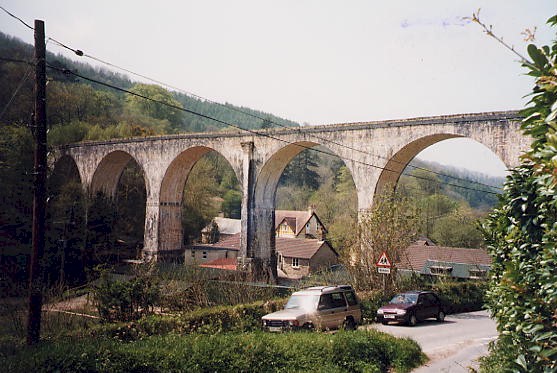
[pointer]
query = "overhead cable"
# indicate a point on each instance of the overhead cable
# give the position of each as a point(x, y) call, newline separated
point(253, 132)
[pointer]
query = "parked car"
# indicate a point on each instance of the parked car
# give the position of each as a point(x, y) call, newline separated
point(412, 307)
point(319, 307)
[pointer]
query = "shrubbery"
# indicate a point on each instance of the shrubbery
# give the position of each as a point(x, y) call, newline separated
point(358, 351)
point(124, 300)
point(522, 234)
point(214, 320)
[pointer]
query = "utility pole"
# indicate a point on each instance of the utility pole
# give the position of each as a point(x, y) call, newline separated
point(39, 193)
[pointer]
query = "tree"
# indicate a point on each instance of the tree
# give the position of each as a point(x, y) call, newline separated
point(167, 108)
point(390, 227)
point(522, 233)
point(301, 171)
point(232, 204)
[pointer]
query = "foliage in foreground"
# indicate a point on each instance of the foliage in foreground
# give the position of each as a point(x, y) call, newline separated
point(522, 235)
point(358, 351)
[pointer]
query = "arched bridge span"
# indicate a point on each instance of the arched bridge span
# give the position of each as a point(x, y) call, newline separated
point(375, 152)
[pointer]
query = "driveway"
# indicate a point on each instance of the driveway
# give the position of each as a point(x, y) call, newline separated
point(452, 346)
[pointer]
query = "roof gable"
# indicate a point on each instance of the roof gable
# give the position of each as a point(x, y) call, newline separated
point(297, 220)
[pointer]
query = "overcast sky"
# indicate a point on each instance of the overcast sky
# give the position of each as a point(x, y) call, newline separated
point(315, 62)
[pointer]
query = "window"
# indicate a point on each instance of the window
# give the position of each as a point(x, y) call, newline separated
point(440, 270)
point(295, 262)
point(333, 300)
point(351, 298)
point(205, 255)
point(478, 273)
point(308, 226)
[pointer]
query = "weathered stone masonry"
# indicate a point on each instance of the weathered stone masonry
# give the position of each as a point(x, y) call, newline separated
point(258, 162)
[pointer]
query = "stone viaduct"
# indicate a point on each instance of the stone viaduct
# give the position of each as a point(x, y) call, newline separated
point(375, 152)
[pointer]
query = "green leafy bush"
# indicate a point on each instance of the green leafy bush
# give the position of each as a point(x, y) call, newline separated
point(522, 235)
point(461, 296)
point(124, 300)
point(359, 351)
point(214, 320)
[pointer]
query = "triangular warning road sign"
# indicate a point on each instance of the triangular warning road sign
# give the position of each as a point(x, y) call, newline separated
point(383, 261)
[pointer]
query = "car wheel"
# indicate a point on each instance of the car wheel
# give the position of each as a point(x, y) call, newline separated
point(349, 324)
point(441, 316)
point(412, 321)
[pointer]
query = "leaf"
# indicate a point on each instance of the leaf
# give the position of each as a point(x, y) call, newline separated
point(537, 56)
point(521, 360)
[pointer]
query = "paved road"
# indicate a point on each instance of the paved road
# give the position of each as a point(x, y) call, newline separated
point(452, 346)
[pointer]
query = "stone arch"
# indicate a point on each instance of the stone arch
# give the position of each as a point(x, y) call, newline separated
point(108, 172)
point(396, 164)
point(171, 196)
point(263, 245)
point(268, 178)
point(66, 164)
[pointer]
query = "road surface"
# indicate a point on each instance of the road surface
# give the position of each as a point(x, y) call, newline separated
point(452, 346)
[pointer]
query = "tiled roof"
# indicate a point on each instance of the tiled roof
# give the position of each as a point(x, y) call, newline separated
point(416, 256)
point(288, 247)
point(299, 248)
point(229, 243)
point(221, 263)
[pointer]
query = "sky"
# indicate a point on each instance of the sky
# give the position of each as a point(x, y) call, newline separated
point(314, 62)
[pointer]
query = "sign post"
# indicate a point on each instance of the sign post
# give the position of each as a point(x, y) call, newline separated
point(384, 266)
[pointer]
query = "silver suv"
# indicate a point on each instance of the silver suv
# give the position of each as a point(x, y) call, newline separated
point(318, 307)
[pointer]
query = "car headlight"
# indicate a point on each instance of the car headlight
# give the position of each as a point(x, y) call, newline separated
point(380, 312)
point(401, 312)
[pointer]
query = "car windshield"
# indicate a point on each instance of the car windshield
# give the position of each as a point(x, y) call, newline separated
point(404, 299)
point(306, 302)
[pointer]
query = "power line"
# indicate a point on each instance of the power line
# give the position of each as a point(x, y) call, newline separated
point(81, 53)
point(25, 77)
point(14, 60)
point(256, 133)
point(16, 17)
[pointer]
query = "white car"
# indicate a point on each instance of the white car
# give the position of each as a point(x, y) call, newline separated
point(318, 307)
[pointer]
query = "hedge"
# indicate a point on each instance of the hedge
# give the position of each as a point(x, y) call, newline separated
point(358, 351)
point(220, 319)
point(457, 297)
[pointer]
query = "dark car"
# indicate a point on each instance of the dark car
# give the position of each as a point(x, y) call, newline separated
point(411, 307)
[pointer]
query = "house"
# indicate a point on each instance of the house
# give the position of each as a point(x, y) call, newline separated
point(226, 248)
point(299, 224)
point(288, 223)
point(296, 258)
point(300, 244)
point(430, 260)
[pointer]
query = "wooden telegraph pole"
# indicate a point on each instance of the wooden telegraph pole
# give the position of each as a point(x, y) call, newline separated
point(39, 193)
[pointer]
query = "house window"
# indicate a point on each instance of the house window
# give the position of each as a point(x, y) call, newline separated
point(205, 255)
point(478, 274)
point(440, 270)
point(308, 226)
point(295, 262)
